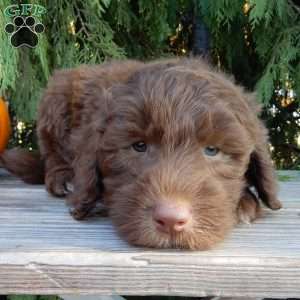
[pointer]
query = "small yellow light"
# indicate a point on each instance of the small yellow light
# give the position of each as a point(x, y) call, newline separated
point(246, 7)
point(20, 126)
point(286, 102)
point(71, 28)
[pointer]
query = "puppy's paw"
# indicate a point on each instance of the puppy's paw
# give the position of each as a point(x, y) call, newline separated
point(56, 183)
point(81, 212)
point(248, 208)
point(78, 213)
point(82, 205)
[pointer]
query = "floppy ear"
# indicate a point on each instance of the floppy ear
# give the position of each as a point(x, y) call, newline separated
point(87, 180)
point(85, 141)
point(261, 175)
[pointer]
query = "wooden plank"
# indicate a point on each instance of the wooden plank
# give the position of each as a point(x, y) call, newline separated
point(44, 251)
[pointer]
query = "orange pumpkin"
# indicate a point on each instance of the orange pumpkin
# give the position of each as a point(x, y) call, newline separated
point(5, 127)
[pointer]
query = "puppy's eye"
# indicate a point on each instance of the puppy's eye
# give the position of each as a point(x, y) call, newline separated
point(139, 146)
point(211, 151)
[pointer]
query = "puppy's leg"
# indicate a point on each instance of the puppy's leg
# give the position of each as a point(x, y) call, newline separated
point(248, 208)
point(58, 174)
point(57, 158)
point(53, 130)
point(57, 168)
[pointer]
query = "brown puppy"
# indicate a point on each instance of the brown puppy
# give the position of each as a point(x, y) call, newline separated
point(171, 147)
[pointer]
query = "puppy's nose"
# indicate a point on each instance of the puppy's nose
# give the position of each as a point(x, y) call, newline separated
point(171, 218)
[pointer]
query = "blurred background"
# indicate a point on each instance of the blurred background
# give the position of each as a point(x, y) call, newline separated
point(257, 41)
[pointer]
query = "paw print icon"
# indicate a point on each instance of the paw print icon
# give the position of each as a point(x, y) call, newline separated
point(24, 31)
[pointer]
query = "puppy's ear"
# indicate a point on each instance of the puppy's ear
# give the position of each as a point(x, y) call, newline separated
point(86, 140)
point(261, 175)
point(87, 180)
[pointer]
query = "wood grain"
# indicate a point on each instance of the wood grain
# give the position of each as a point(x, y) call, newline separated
point(44, 251)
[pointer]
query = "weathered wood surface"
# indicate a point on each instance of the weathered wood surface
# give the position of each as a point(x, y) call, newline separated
point(44, 251)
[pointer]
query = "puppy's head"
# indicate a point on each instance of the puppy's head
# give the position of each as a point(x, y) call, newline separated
point(174, 154)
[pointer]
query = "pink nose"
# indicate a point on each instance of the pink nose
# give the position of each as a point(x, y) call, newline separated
point(171, 218)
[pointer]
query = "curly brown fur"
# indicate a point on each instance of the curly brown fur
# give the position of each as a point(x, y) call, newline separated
point(21, 163)
point(91, 117)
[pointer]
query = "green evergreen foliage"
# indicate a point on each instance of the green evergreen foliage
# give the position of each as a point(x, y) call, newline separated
point(258, 41)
